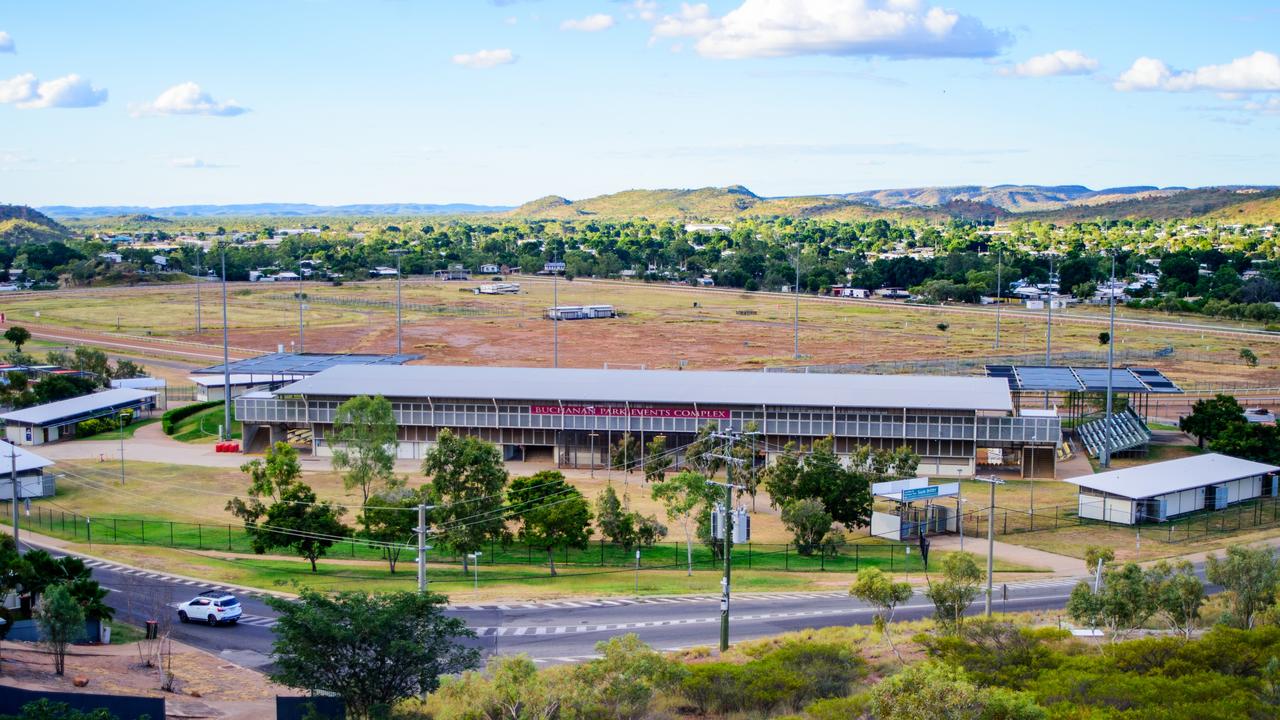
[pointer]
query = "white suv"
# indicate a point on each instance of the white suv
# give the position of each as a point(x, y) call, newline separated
point(212, 607)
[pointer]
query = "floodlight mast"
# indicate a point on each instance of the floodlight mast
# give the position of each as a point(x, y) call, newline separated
point(1111, 354)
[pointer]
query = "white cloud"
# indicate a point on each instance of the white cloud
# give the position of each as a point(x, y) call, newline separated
point(779, 28)
point(646, 10)
point(191, 163)
point(6, 43)
point(1145, 74)
point(70, 91)
point(18, 88)
point(189, 99)
point(590, 23)
point(1259, 72)
point(482, 59)
point(1270, 106)
point(1059, 62)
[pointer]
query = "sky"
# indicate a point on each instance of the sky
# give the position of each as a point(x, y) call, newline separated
point(162, 102)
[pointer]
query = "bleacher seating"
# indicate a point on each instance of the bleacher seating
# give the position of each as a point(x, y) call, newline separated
point(1128, 432)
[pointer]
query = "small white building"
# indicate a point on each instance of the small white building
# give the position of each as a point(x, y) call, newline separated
point(28, 467)
point(490, 269)
point(53, 421)
point(1159, 491)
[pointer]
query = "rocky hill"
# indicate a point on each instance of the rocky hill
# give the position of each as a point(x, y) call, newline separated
point(19, 224)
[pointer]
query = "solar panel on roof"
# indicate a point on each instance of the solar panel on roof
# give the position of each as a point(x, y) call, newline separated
point(1037, 378)
point(305, 363)
point(1095, 380)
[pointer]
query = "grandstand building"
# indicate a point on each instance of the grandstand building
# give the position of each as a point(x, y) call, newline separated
point(576, 417)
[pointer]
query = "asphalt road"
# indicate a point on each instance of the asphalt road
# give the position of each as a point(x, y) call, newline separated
point(549, 632)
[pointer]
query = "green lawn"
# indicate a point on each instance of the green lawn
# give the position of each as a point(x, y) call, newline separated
point(203, 426)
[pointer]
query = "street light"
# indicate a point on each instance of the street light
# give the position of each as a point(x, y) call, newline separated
point(398, 252)
point(991, 534)
point(475, 563)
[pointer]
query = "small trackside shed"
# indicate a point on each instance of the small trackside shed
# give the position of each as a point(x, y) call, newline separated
point(29, 469)
point(1164, 490)
point(52, 421)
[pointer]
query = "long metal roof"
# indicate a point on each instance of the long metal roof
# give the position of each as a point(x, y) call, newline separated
point(1144, 481)
point(304, 363)
point(660, 386)
point(1063, 378)
point(76, 406)
point(25, 460)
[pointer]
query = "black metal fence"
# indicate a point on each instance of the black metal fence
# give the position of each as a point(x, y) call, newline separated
point(231, 537)
point(124, 707)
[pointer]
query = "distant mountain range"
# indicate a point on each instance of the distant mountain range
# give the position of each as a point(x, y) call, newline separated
point(974, 202)
point(272, 210)
point(1055, 203)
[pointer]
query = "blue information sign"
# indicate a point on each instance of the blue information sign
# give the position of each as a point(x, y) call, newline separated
point(921, 492)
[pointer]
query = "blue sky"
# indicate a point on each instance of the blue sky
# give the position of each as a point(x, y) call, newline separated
point(500, 101)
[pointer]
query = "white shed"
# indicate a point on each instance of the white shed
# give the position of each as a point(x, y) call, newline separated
point(1159, 491)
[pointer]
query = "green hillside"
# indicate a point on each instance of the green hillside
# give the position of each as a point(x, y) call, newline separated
point(1185, 204)
point(20, 224)
point(1259, 209)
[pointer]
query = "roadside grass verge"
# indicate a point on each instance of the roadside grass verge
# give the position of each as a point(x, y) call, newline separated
point(495, 581)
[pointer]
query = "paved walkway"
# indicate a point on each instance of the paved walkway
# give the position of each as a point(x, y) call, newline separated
point(149, 444)
point(1056, 565)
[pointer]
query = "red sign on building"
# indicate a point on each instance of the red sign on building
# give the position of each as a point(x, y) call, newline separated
point(614, 411)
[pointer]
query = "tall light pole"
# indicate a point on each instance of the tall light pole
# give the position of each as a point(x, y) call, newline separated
point(199, 252)
point(1111, 349)
point(999, 293)
point(796, 289)
point(1048, 337)
point(302, 305)
point(399, 340)
point(226, 356)
point(555, 316)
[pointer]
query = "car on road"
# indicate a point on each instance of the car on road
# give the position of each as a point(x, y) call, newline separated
point(211, 607)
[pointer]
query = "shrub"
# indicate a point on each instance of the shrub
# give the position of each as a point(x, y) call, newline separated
point(791, 675)
point(169, 421)
point(844, 708)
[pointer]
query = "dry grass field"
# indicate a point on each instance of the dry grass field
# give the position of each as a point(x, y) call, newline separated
point(661, 326)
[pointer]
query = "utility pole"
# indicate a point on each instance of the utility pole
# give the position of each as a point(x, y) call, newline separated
point(226, 356)
point(991, 535)
point(422, 546)
point(1111, 353)
point(399, 341)
point(120, 422)
point(302, 305)
point(727, 523)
